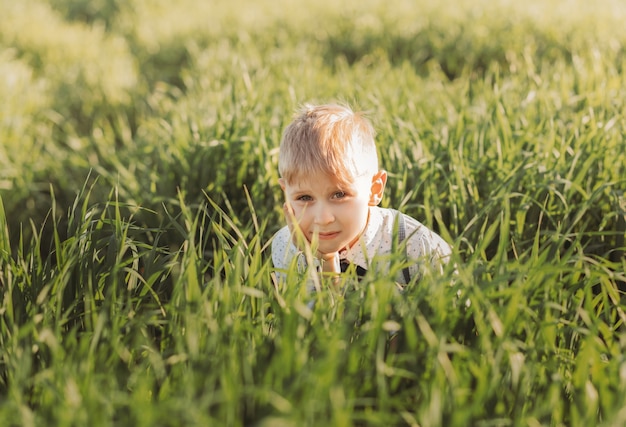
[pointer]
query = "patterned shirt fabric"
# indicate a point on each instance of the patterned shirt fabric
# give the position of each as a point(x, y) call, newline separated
point(379, 239)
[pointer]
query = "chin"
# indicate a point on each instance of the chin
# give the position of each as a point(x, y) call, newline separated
point(330, 249)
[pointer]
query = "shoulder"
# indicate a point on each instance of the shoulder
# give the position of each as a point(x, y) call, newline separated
point(383, 226)
point(424, 242)
point(383, 219)
point(389, 221)
point(281, 247)
point(281, 235)
point(378, 234)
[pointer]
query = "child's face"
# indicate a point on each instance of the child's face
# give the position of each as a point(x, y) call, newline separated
point(334, 214)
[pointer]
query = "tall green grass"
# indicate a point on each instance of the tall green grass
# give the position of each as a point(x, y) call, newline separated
point(138, 193)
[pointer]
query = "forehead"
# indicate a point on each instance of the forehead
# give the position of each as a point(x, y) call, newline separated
point(322, 182)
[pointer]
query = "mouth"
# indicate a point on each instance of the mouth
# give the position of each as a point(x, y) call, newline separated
point(327, 235)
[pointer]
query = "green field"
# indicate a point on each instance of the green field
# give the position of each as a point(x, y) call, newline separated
point(138, 190)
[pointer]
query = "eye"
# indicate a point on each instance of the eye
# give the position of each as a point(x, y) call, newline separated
point(304, 198)
point(339, 195)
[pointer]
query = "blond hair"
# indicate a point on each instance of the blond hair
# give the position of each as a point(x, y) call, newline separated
point(331, 139)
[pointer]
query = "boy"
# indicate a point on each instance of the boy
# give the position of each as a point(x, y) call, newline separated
point(332, 184)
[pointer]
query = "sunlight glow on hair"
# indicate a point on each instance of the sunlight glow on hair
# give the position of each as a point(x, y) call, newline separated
point(331, 139)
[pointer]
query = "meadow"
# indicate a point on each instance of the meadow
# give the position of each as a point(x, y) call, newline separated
point(138, 194)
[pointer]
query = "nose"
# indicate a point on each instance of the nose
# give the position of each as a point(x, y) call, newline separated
point(323, 215)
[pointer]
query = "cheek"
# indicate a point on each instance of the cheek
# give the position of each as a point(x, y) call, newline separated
point(299, 211)
point(355, 213)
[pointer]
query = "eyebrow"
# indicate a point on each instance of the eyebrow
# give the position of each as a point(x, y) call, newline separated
point(300, 193)
point(346, 187)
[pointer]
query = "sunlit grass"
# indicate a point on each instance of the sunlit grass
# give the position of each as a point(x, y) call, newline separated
point(138, 194)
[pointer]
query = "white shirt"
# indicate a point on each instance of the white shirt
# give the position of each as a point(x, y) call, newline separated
point(422, 245)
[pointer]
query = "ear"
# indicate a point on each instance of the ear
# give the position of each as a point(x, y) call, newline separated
point(378, 187)
point(281, 182)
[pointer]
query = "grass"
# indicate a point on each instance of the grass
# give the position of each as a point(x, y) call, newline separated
point(138, 193)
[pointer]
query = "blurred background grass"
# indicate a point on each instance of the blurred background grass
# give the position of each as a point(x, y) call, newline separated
point(154, 97)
